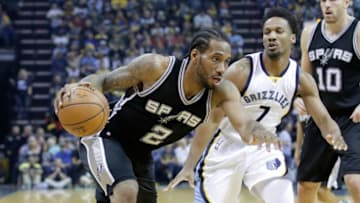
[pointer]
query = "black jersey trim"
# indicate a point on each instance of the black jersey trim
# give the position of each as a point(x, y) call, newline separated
point(158, 83)
point(331, 41)
point(183, 98)
point(297, 76)
point(202, 162)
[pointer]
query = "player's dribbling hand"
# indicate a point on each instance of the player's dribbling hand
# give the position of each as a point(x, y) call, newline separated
point(337, 141)
point(267, 138)
point(355, 116)
point(183, 175)
point(66, 92)
point(299, 106)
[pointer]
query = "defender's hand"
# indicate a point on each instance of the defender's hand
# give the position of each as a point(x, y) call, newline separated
point(355, 116)
point(266, 137)
point(299, 106)
point(66, 92)
point(337, 141)
point(183, 175)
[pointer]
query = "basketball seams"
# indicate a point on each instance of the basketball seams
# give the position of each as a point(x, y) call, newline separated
point(89, 118)
point(81, 103)
point(96, 95)
point(100, 125)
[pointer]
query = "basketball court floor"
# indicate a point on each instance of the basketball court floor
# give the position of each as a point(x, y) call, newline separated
point(182, 195)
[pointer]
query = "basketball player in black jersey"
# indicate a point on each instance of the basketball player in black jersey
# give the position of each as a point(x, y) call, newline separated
point(166, 98)
point(330, 51)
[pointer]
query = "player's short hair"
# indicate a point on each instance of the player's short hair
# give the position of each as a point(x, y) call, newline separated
point(201, 39)
point(282, 13)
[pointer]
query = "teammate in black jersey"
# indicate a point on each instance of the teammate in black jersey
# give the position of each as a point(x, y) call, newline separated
point(165, 99)
point(330, 51)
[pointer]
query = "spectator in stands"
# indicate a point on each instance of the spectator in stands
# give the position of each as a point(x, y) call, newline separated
point(40, 136)
point(285, 138)
point(54, 12)
point(31, 171)
point(23, 94)
point(76, 169)
point(59, 49)
point(116, 60)
point(237, 43)
point(12, 143)
point(65, 153)
point(56, 84)
point(58, 66)
point(6, 30)
point(202, 20)
point(88, 62)
point(224, 12)
point(58, 177)
point(168, 166)
point(32, 147)
point(181, 150)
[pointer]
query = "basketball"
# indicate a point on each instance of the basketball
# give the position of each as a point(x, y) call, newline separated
point(84, 112)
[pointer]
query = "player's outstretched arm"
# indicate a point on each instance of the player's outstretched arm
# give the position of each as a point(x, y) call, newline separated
point(251, 131)
point(203, 135)
point(328, 127)
point(145, 69)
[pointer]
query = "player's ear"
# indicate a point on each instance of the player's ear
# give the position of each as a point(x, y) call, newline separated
point(194, 53)
point(293, 38)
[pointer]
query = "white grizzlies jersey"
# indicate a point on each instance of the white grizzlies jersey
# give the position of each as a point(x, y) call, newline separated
point(266, 98)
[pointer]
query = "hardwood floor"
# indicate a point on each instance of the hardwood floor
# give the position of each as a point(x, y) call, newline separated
point(87, 196)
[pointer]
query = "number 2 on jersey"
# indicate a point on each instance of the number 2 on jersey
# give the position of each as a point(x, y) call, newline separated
point(157, 135)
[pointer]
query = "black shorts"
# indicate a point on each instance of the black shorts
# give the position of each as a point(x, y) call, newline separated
point(318, 157)
point(109, 163)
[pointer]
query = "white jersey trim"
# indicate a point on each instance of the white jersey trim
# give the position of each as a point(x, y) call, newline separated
point(355, 40)
point(183, 98)
point(332, 40)
point(96, 160)
point(158, 83)
point(118, 106)
point(208, 106)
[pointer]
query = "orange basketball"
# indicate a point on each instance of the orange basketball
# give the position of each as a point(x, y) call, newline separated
point(85, 112)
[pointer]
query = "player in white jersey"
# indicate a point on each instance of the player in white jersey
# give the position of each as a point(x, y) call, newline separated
point(268, 82)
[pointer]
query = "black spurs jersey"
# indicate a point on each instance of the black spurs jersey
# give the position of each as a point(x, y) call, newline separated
point(336, 67)
point(159, 115)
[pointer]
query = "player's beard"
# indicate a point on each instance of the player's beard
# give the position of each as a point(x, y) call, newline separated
point(202, 75)
point(273, 55)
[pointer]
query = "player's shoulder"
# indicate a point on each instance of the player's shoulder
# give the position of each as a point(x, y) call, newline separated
point(150, 66)
point(224, 91)
point(240, 65)
point(309, 27)
point(306, 82)
point(153, 60)
point(239, 71)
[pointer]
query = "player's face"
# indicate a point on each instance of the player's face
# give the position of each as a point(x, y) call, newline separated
point(332, 10)
point(277, 37)
point(213, 62)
